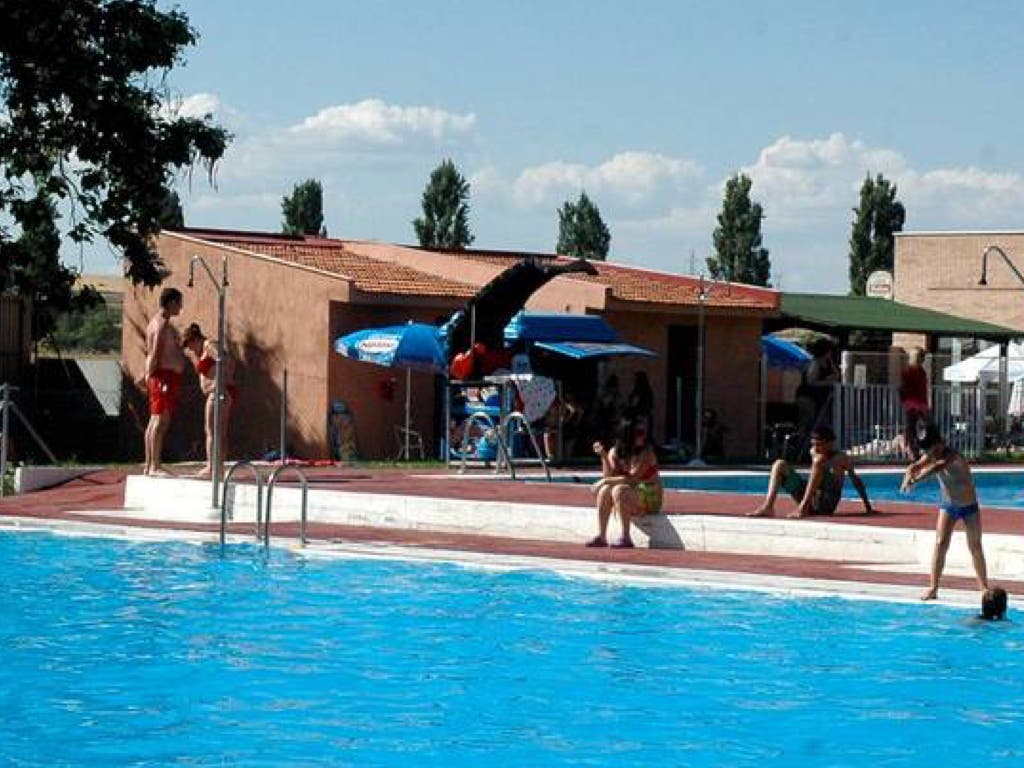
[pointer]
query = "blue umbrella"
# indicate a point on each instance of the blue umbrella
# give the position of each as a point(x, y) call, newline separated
point(413, 346)
point(784, 354)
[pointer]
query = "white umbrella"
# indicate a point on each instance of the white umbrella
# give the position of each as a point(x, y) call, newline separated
point(984, 366)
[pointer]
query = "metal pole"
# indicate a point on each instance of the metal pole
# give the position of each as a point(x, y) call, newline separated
point(408, 405)
point(283, 445)
point(698, 452)
point(5, 394)
point(216, 468)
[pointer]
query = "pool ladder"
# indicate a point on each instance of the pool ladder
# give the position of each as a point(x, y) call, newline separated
point(263, 521)
point(502, 434)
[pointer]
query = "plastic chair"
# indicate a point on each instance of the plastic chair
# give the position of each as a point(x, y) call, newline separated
point(415, 444)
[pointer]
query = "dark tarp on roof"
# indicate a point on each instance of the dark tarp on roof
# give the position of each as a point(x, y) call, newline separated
point(838, 314)
point(495, 303)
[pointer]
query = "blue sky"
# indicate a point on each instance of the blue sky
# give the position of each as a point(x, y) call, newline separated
point(649, 106)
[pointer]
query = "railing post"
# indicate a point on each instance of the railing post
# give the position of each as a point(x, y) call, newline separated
point(283, 445)
point(5, 423)
point(837, 414)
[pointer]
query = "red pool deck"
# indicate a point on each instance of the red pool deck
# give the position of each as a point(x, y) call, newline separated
point(104, 490)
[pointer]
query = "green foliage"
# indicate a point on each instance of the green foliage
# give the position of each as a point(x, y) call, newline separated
point(35, 270)
point(92, 330)
point(876, 219)
point(445, 220)
point(171, 216)
point(303, 209)
point(82, 86)
point(581, 230)
point(739, 256)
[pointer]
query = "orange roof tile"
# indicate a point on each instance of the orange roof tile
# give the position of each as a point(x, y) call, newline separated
point(367, 273)
point(374, 275)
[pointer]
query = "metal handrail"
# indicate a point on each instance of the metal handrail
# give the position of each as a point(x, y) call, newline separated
point(270, 494)
point(224, 497)
point(517, 417)
point(488, 422)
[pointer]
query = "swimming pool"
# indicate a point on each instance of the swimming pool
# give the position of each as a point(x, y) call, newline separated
point(132, 654)
point(999, 488)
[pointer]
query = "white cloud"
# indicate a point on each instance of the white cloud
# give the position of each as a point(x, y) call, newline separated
point(633, 177)
point(800, 183)
point(375, 122)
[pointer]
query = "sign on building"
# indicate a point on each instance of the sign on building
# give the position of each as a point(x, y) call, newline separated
point(879, 285)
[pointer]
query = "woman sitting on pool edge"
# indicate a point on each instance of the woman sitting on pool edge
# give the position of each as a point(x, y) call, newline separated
point(630, 484)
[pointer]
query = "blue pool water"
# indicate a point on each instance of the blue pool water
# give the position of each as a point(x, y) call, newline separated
point(121, 654)
point(995, 489)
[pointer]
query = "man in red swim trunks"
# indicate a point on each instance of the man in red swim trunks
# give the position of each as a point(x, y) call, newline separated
point(165, 363)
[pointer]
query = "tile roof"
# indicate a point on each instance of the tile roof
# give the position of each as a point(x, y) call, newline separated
point(629, 283)
point(368, 274)
point(375, 275)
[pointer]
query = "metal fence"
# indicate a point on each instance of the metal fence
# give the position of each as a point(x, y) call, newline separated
point(869, 421)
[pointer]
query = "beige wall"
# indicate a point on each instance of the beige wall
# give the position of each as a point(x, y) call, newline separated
point(940, 271)
point(277, 318)
point(357, 383)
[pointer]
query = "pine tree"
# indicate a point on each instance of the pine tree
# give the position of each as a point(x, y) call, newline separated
point(872, 243)
point(581, 230)
point(445, 220)
point(739, 256)
point(303, 209)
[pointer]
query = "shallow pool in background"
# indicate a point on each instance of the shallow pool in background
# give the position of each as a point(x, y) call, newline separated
point(141, 654)
point(995, 488)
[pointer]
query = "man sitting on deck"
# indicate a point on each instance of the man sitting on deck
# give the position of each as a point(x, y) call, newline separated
point(820, 493)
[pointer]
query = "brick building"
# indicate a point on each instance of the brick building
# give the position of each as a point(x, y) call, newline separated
point(290, 297)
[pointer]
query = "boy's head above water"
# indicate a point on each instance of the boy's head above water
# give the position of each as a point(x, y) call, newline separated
point(993, 604)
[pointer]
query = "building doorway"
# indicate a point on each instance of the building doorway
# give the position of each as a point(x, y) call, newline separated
point(681, 384)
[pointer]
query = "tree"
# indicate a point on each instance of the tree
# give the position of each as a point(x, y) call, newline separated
point(739, 256)
point(84, 123)
point(581, 230)
point(303, 209)
point(445, 220)
point(171, 216)
point(878, 217)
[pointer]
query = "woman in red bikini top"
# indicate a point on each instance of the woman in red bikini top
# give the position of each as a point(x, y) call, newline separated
point(204, 356)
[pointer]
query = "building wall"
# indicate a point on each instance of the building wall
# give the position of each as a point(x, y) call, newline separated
point(358, 384)
point(731, 375)
point(277, 319)
point(940, 271)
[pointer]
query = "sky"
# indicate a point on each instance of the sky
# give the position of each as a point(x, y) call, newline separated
point(648, 106)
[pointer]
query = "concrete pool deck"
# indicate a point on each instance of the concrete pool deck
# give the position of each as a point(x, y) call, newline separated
point(703, 536)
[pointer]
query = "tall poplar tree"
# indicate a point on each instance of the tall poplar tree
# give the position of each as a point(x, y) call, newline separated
point(739, 255)
point(303, 209)
point(445, 220)
point(582, 232)
point(876, 220)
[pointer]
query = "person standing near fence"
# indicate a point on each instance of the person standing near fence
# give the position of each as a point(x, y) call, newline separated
point(913, 399)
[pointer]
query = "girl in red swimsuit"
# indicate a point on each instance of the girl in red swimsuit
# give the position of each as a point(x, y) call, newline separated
point(203, 352)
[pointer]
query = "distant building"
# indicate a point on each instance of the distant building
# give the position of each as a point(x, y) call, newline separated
point(290, 297)
point(942, 270)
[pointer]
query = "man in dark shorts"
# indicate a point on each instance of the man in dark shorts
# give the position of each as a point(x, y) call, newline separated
point(820, 493)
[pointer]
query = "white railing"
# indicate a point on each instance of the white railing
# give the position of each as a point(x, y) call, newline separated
point(869, 422)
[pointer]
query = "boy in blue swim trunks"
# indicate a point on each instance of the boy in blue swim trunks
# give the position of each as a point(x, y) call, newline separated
point(959, 502)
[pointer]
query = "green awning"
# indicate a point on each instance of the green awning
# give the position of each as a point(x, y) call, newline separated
point(840, 314)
